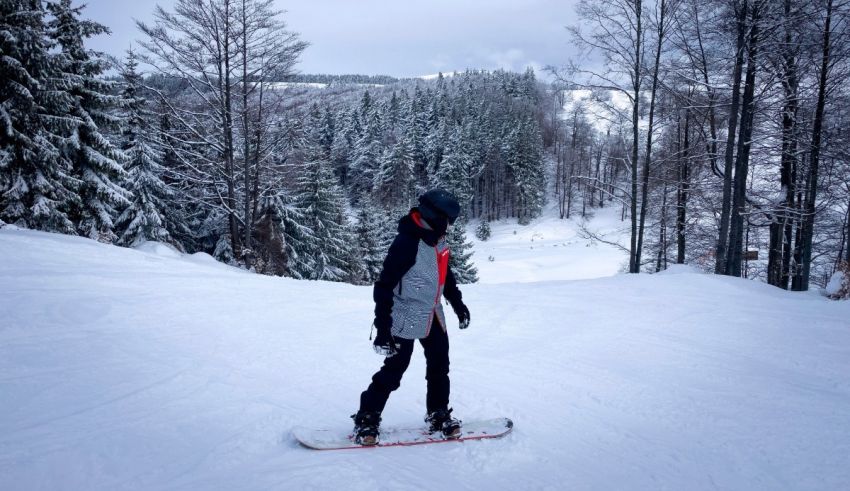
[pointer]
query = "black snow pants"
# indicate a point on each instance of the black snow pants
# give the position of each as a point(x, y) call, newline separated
point(388, 378)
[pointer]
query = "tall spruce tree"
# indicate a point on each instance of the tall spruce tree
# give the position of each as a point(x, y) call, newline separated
point(370, 240)
point(36, 186)
point(284, 235)
point(325, 255)
point(395, 178)
point(146, 216)
point(524, 150)
point(460, 258)
point(96, 161)
point(367, 151)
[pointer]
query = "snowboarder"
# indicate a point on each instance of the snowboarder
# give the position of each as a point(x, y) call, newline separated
point(407, 295)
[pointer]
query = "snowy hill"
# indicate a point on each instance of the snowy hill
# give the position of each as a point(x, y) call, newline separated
point(125, 369)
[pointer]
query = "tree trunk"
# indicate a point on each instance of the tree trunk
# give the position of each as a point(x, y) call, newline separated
point(661, 262)
point(246, 139)
point(814, 159)
point(683, 191)
point(781, 229)
point(847, 235)
point(736, 228)
point(797, 273)
point(634, 259)
point(644, 192)
point(227, 117)
point(726, 205)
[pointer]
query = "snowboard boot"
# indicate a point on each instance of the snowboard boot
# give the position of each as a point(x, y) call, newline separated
point(443, 422)
point(366, 427)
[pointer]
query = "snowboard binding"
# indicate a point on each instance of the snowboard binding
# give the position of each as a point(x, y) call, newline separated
point(443, 422)
point(366, 427)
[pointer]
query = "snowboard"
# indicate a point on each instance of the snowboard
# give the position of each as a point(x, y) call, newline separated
point(393, 436)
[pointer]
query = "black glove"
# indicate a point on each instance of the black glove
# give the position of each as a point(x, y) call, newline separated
point(384, 342)
point(462, 316)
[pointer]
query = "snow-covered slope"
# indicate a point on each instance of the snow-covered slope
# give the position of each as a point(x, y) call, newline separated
point(124, 369)
point(549, 249)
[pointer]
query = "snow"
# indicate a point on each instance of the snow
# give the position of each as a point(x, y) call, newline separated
point(123, 369)
point(603, 108)
point(835, 282)
point(289, 85)
point(549, 249)
point(158, 249)
point(681, 269)
point(314, 85)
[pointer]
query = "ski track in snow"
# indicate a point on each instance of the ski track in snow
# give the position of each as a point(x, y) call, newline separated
point(124, 369)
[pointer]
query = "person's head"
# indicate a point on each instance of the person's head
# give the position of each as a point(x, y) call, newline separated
point(439, 208)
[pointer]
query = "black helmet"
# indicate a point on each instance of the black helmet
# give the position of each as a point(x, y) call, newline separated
point(439, 208)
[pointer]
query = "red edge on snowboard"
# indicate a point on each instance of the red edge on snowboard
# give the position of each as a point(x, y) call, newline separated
point(504, 426)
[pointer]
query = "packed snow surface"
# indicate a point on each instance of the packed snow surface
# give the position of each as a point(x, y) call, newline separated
point(144, 369)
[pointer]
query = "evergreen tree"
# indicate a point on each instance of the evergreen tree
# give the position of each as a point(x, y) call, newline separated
point(146, 216)
point(344, 141)
point(327, 131)
point(36, 186)
point(371, 241)
point(524, 150)
point(436, 143)
point(453, 172)
point(395, 177)
point(325, 255)
point(282, 236)
point(96, 161)
point(482, 232)
point(460, 258)
point(367, 154)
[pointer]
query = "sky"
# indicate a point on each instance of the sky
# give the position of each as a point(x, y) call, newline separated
point(402, 38)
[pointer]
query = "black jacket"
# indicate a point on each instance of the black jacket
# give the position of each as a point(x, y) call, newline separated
point(401, 257)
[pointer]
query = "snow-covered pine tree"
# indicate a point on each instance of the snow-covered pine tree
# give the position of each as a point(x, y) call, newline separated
point(36, 186)
point(367, 153)
point(460, 259)
point(327, 131)
point(394, 180)
point(453, 176)
point(282, 236)
point(326, 254)
point(524, 155)
point(418, 128)
point(96, 161)
point(371, 241)
point(345, 138)
point(453, 172)
point(435, 145)
point(482, 231)
point(146, 216)
point(393, 114)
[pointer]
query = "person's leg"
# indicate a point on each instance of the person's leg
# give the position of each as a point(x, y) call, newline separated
point(436, 347)
point(387, 379)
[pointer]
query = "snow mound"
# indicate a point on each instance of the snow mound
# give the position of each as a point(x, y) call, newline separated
point(838, 287)
point(8, 226)
point(680, 269)
point(202, 257)
point(835, 283)
point(160, 249)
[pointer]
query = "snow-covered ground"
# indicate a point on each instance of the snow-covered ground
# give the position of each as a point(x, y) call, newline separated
point(141, 369)
point(548, 249)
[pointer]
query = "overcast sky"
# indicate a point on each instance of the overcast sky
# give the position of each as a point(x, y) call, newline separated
point(394, 37)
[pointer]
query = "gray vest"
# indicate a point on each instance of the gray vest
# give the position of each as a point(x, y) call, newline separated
point(416, 298)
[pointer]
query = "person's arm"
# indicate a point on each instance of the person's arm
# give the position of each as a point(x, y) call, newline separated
point(451, 291)
point(453, 295)
point(400, 258)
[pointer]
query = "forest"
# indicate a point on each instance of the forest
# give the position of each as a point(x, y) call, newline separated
point(716, 127)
